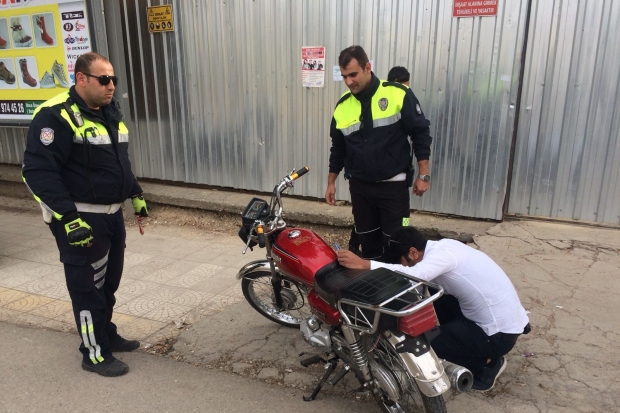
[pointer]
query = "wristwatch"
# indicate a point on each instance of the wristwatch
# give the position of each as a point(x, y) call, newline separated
point(425, 178)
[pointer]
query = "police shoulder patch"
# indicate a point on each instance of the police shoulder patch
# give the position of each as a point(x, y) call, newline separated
point(47, 136)
point(383, 103)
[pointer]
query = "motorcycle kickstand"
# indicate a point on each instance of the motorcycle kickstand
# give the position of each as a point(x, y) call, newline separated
point(331, 365)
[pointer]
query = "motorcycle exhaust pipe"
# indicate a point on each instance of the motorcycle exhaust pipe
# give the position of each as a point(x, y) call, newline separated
point(460, 377)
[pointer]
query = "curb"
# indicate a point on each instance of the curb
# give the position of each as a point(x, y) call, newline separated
point(299, 210)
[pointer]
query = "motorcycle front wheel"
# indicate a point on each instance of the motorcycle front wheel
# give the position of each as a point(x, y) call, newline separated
point(412, 400)
point(258, 291)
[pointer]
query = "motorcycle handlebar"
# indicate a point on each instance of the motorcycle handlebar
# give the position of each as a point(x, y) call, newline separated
point(261, 236)
point(299, 173)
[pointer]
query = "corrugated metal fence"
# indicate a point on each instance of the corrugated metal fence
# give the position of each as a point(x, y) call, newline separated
point(219, 101)
point(567, 156)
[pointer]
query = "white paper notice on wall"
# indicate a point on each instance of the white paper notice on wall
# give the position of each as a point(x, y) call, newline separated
point(337, 74)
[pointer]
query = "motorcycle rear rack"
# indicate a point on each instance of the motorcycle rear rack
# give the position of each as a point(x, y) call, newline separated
point(360, 322)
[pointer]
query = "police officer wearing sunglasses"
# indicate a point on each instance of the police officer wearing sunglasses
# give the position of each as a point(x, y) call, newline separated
point(77, 166)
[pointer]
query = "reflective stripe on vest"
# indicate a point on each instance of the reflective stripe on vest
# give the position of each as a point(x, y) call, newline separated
point(386, 105)
point(95, 132)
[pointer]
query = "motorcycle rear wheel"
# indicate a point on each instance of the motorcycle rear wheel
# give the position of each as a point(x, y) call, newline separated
point(412, 400)
point(258, 292)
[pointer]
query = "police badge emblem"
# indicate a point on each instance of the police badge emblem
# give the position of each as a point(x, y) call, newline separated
point(47, 136)
point(383, 103)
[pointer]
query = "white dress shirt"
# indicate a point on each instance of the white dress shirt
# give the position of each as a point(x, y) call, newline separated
point(484, 291)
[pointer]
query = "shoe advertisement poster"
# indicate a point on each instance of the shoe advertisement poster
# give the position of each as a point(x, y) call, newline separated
point(40, 40)
point(313, 66)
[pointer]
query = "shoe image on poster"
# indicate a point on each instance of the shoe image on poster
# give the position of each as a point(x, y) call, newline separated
point(21, 32)
point(47, 81)
point(5, 40)
point(27, 72)
point(8, 79)
point(58, 70)
point(45, 29)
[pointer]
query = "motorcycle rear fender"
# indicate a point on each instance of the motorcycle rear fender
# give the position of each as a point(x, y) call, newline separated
point(254, 266)
point(426, 368)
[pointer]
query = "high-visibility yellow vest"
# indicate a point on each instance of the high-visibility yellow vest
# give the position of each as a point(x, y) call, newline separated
point(386, 105)
point(95, 132)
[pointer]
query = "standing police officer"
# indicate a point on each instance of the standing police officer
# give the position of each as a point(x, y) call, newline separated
point(369, 139)
point(77, 166)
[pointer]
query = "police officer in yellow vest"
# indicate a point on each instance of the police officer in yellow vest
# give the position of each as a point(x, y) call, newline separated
point(369, 133)
point(76, 164)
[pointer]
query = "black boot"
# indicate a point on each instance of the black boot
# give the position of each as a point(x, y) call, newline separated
point(110, 367)
point(119, 344)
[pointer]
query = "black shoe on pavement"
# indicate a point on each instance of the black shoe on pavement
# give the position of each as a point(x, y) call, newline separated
point(489, 376)
point(110, 367)
point(119, 345)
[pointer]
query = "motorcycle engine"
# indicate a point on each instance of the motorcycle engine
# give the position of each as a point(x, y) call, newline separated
point(316, 334)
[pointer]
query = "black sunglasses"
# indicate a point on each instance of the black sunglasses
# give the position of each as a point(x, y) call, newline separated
point(104, 80)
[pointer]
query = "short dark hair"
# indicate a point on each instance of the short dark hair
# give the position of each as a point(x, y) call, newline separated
point(402, 240)
point(82, 64)
point(350, 53)
point(398, 74)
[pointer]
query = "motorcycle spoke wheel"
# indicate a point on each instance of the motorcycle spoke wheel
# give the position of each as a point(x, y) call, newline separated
point(258, 291)
point(412, 400)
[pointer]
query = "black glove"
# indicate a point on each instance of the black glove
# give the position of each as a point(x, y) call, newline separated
point(139, 206)
point(79, 233)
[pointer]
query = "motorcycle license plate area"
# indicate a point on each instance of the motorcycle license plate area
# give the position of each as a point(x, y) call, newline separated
point(419, 322)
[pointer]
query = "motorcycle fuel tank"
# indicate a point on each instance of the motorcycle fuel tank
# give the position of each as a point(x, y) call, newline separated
point(300, 253)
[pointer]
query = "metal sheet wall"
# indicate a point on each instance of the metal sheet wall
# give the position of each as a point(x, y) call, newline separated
point(220, 102)
point(567, 155)
point(12, 145)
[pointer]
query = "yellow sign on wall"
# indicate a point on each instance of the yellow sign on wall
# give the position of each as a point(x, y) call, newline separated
point(160, 18)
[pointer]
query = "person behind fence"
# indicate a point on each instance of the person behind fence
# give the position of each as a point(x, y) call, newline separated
point(480, 314)
point(77, 166)
point(399, 74)
point(369, 133)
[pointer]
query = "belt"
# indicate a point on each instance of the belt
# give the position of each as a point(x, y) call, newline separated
point(513, 337)
point(396, 178)
point(97, 208)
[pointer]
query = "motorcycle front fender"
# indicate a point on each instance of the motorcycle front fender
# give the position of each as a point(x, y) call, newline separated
point(426, 369)
point(250, 267)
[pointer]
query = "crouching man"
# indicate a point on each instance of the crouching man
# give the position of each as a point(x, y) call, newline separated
point(480, 314)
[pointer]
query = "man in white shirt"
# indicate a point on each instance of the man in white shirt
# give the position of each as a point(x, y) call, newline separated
point(480, 314)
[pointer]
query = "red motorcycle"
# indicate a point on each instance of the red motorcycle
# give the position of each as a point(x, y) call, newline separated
point(377, 324)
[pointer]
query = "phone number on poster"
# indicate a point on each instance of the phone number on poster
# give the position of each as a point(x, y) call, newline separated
point(12, 107)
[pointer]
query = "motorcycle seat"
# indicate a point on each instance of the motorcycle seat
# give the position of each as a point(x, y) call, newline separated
point(334, 282)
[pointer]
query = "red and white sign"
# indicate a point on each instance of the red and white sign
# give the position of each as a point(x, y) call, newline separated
point(474, 8)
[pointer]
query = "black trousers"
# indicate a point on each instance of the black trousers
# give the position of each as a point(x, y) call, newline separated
point(93, 275)
point(379, 209)
point(463, 342)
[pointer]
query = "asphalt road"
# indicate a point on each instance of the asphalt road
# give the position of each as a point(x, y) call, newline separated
point(40, 372)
